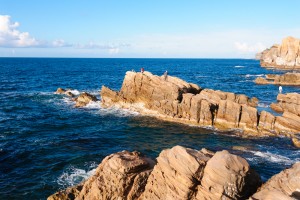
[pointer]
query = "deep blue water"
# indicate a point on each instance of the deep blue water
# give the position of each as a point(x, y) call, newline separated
point(47, 145)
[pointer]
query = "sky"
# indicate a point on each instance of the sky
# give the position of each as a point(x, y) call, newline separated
point(145, 28)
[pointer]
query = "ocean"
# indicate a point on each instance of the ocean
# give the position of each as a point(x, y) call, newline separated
point(46, 144)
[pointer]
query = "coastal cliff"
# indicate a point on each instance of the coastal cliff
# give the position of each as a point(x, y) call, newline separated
point(283, 56)
point(181, 173)
point(173, 99)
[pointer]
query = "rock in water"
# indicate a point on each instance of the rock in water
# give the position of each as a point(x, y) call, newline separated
point(284, 56)
point(285, 79)
point(60, 91)
point(176, 100)
point(84, 98)
point(285, 185)
point(296, 142)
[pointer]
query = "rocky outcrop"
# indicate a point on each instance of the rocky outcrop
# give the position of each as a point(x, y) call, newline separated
point(63, 91)
point(285, 79)
point(180, 173)
point(289, 102)
point(282, 186)
point(284, 56)
point(83, 99)
point(121, 175)
point(176, 100)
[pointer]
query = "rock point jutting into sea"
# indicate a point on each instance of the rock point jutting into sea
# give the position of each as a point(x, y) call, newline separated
point(175, 100)
point(283, 56)
point(184, 174)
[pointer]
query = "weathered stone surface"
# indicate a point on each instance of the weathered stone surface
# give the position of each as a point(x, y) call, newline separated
point(121, 175)
point(227, 176)
point(285, 185)
point(287, 102)
point(83, 99)
point(284, 56)
point(180, 173)
point(285, 79)
point(176, 100)
point(177, 173)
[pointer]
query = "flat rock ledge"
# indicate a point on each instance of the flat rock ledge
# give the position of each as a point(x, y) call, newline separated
point(285, 79)
point(284, 56)
point(176, 100)
point(181, 173)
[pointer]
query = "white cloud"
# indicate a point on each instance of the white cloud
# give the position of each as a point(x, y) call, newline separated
point(114, 51)
point(10, 36)
point(244, 47)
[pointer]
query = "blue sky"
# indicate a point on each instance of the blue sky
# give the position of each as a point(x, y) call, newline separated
point(159, 29)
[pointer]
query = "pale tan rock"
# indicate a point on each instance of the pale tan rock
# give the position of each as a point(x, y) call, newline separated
point(287, 102)
point(227, 176)
point(285, 185)
point(60, 91)
point(249, 118)
point(284, 56)
point(228, 114)
point(69, 194)
point(177, 173)
point(83, 99)
point(121, 176)
point(286, 125)
point(266, 122)
point(296, 142)
point(261, 81)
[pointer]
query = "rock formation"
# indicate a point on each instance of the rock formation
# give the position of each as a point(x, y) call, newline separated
point(285, 79)
point(284, 56)
point(176, 100)
point(180, 173)
point(83, 99)
point(282, 186)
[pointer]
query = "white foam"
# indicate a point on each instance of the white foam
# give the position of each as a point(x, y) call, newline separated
point(239, 66)
point(263, 105)
point(94, 105)
point(75, 92)
point(73, 176)
point(274, 158)
point(256, 75)
point(120, 112)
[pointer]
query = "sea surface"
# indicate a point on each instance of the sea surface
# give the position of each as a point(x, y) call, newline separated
point(46, 144)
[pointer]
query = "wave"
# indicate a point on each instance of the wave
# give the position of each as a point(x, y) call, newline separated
point(274, 158)
point(94, 105)
point(75, 92)
point(239, 66)
point(73, 175)
point(255, 75)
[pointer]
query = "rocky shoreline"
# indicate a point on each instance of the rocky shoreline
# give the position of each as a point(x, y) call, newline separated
point(176, 100)
point(292, 79)
point(182, 173)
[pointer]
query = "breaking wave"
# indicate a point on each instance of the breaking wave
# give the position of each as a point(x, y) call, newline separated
point(274, 158)
point(254, 75)
point(239, 66)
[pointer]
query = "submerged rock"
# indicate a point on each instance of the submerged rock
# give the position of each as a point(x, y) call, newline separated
point(64, 91)
point(284, 56)
point(176, 100)
point(180, 173)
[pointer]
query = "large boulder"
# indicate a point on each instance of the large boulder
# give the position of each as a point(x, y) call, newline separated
point(284, 56)
point(227, 176)
point(282, 186)
point(121, 176)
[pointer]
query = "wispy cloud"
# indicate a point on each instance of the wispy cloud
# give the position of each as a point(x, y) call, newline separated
point(244, 47)
point(11, 37)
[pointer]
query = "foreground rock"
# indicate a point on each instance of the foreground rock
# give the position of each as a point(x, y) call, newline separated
point(180, 173)
point(176, 100)
point(284, 56)
point(121, 175)
point(285, 79)
point(83, 99)
point(282, 186)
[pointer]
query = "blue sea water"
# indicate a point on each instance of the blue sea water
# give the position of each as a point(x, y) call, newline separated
point(46, 144)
